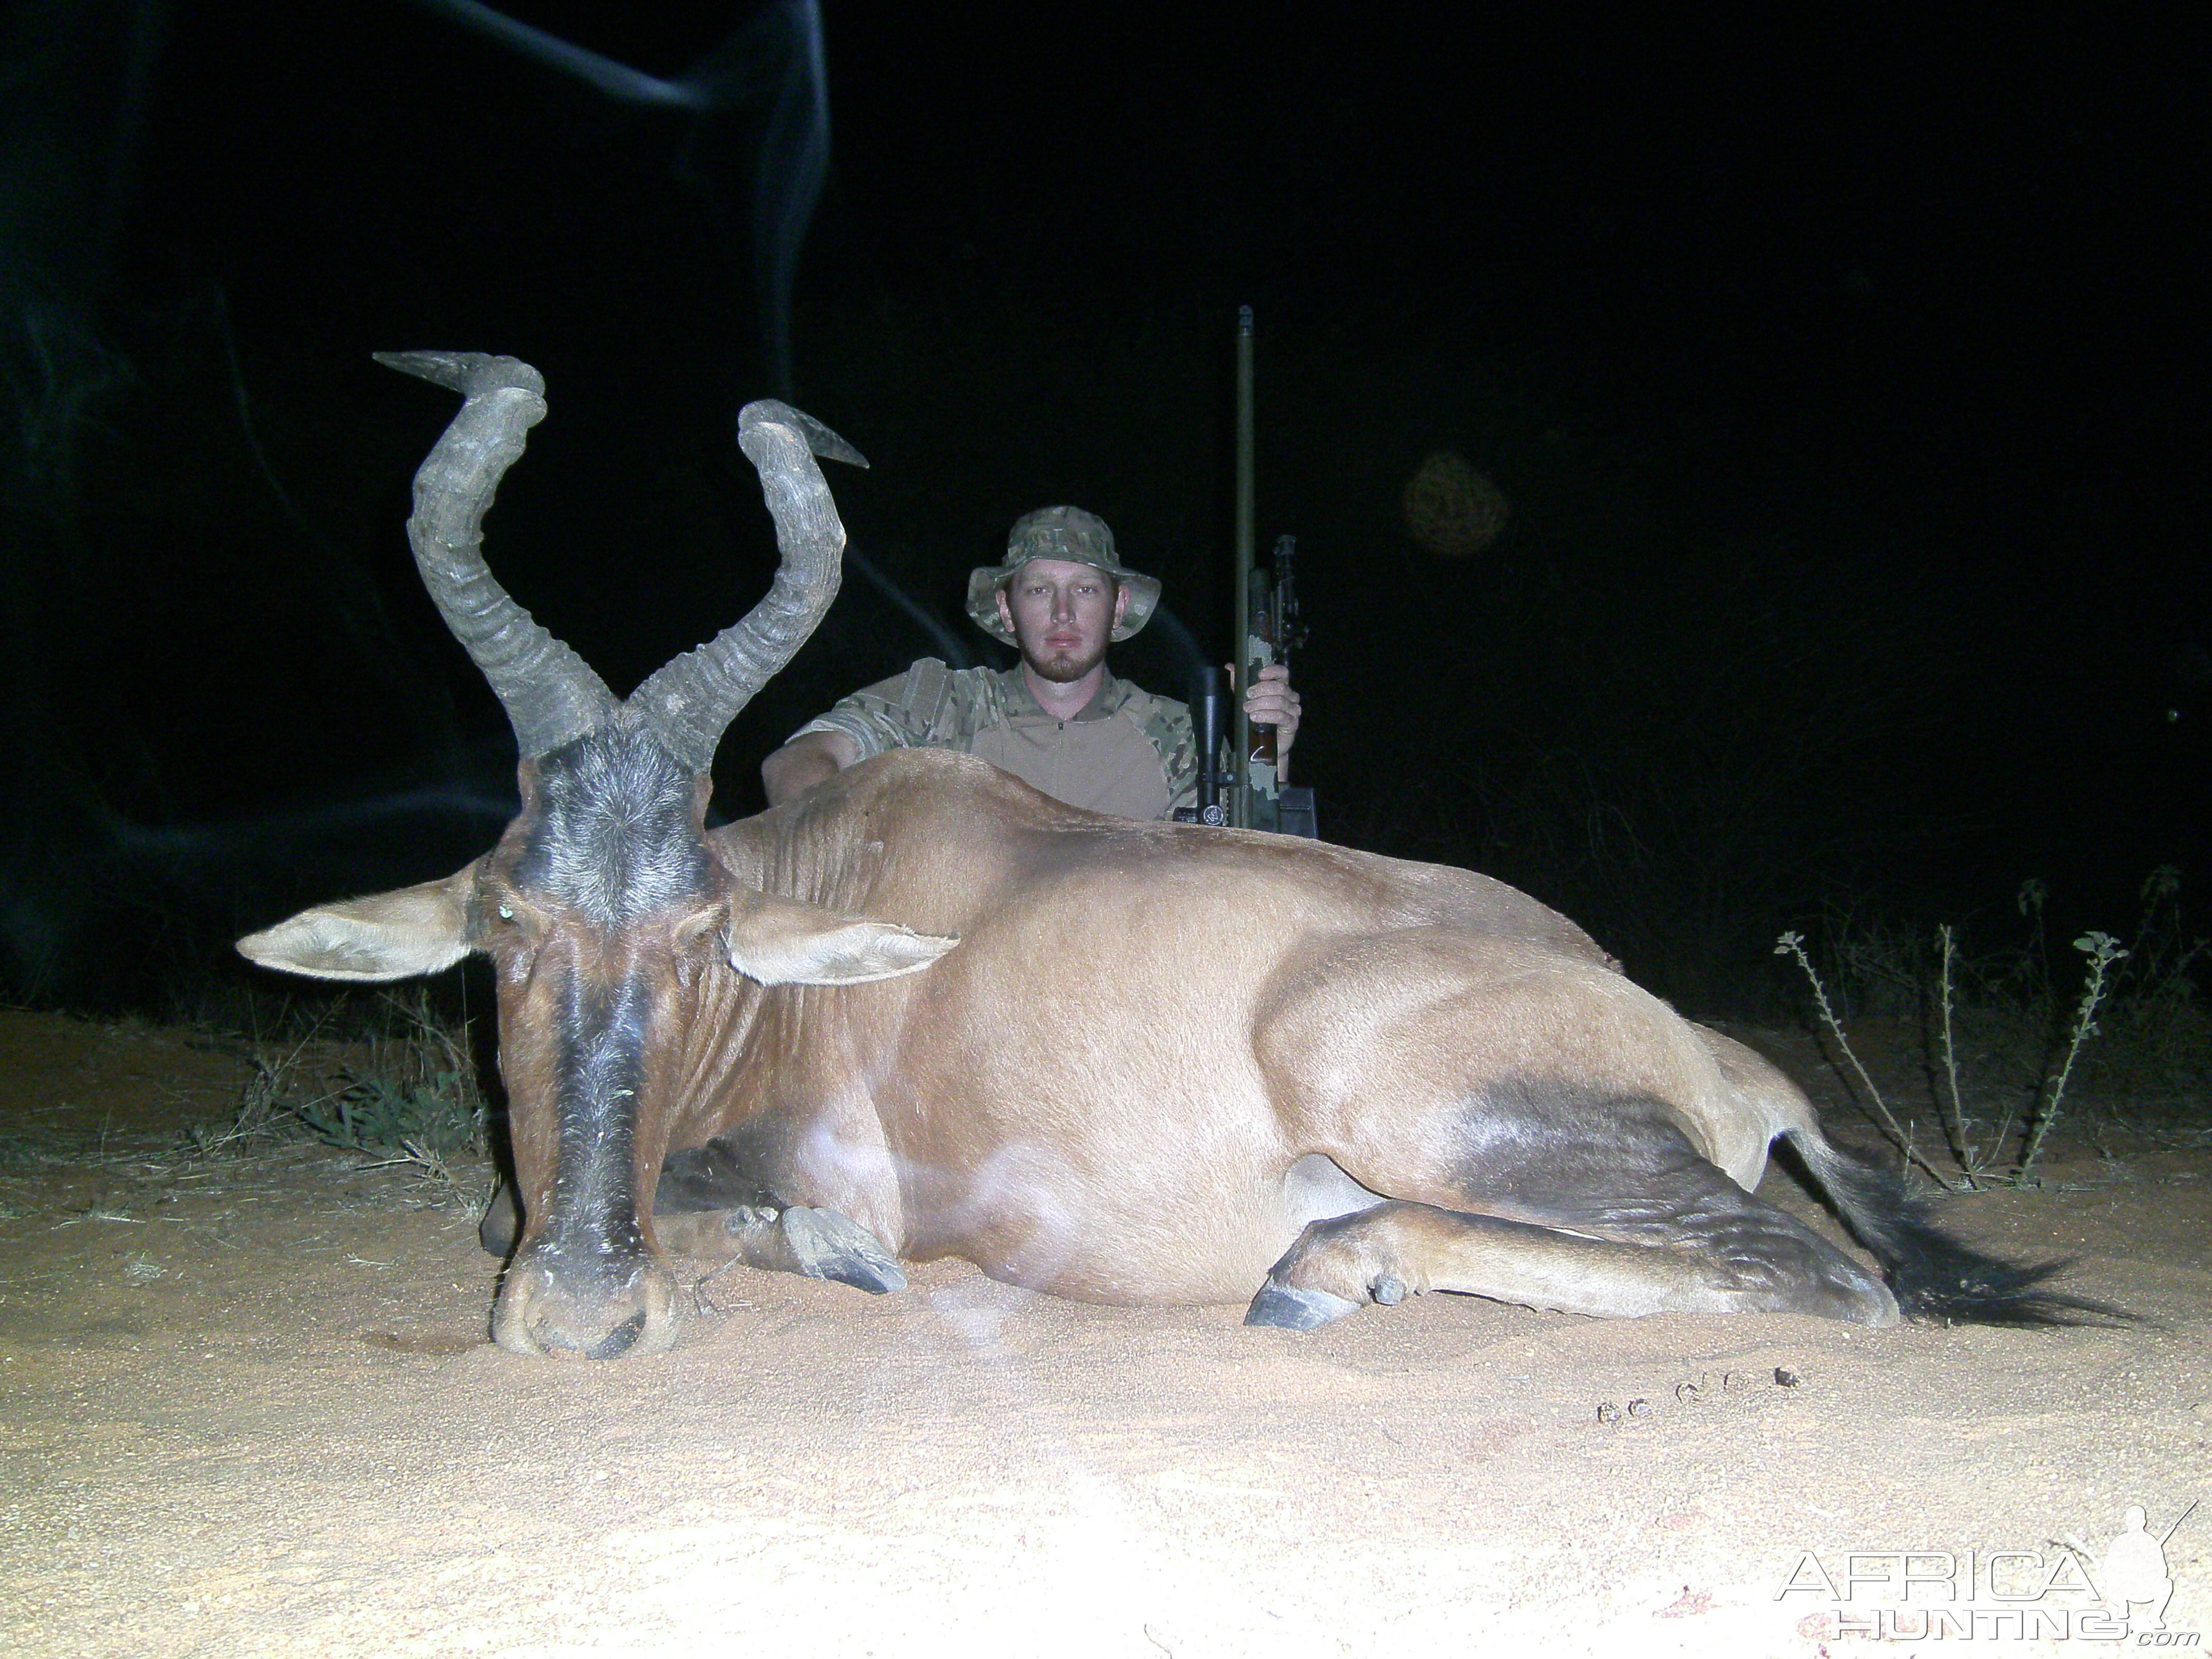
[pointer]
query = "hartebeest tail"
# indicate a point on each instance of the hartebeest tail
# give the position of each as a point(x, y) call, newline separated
point(1935, 1278)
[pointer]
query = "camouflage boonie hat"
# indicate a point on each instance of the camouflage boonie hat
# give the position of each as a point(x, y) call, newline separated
point(1058, 532)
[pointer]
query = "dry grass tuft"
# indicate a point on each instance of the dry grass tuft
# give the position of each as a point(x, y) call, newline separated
point(406, 1096)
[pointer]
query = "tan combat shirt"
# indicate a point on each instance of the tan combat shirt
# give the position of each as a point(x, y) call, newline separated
point(1128, 752)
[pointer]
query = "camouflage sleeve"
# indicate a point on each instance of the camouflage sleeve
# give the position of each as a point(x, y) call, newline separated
point(1178, 747)
point(887, 715)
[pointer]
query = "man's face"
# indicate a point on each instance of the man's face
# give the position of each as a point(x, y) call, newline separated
point(1062, 615)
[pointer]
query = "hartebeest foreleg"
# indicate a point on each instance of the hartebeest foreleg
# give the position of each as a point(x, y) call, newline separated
point(797, 1239)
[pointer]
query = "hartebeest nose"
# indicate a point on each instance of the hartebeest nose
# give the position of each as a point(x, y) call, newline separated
point(553, 1306)
point(556, 1340)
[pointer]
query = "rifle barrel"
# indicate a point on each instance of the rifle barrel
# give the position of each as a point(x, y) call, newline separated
point(1240, 793)
point(2177, 1520)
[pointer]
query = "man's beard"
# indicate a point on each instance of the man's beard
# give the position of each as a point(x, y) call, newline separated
point(1062, 667)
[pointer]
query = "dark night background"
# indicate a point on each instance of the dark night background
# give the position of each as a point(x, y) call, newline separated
point(1846, 373)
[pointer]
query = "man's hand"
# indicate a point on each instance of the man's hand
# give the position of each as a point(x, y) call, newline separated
point(1272, 702)
point(805, 761)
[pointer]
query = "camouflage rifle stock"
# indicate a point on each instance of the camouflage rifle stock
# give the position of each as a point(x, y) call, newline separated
point(1273, 631)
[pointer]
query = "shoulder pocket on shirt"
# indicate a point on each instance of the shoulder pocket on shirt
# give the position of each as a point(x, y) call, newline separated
point(927, 683)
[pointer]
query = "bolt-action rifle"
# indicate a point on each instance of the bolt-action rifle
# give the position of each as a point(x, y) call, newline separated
point(1245, 791)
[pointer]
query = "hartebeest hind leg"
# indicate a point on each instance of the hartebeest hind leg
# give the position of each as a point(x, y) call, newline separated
point(1585, 1206)
point(1397, 1249)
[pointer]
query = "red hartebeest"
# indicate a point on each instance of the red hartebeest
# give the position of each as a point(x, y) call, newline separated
point(924, 1011)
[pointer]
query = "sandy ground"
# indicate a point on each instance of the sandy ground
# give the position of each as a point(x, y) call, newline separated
point(249, 1409)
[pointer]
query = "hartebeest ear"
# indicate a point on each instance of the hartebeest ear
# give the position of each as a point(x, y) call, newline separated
point(780, 941)
point(395, 935)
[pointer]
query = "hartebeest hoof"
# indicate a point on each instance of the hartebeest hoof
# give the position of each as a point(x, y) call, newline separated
point(501, 1224)
point(1288, 1308)
point(830, 1246)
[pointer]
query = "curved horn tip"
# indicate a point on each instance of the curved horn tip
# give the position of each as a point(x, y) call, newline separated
point(471, 373)
point(766, 411)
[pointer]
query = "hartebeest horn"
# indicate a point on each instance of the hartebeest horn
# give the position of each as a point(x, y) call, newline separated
point(691, 700)
point(550, 694)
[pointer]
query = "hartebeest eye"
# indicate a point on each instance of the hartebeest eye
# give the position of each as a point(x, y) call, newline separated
point(506, 913)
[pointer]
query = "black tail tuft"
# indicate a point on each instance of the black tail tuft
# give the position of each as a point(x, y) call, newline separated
point(1937, 1280)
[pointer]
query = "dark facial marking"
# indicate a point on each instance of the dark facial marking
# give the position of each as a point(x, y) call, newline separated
point(594, 1203)
point(614, 840)
point(609, 843)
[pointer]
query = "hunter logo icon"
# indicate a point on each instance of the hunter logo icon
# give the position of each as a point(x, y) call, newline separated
point(2133, 1573)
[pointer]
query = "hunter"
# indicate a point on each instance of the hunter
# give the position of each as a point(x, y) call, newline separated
point(1058, 720)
